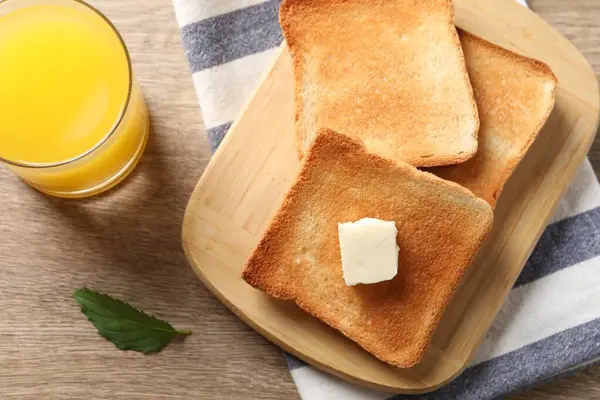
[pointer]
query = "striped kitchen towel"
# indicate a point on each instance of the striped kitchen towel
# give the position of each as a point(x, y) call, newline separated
point(550, 323)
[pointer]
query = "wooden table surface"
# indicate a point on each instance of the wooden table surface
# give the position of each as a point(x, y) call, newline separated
point(127, 243)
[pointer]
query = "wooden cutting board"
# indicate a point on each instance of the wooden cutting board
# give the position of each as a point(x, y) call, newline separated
point(244, 185)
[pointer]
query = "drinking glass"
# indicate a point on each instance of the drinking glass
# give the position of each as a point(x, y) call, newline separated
point(73, 121)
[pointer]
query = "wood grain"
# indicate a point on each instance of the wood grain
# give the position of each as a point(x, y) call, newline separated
point(128, 244)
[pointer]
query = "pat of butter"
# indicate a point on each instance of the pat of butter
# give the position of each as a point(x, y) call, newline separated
point(369, 251)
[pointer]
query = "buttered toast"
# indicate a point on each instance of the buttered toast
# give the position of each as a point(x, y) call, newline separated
point(440, 229)
point(515, 96)
point(388, 72)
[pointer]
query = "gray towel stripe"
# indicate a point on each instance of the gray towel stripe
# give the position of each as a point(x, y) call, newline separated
point(230, 36)
point(563, 244)
point(522, 368)
point(216, 135)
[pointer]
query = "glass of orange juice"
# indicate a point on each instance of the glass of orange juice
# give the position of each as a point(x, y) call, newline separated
point(73, 122)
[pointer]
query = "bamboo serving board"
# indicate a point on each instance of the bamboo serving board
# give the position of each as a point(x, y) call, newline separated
point(245, 183)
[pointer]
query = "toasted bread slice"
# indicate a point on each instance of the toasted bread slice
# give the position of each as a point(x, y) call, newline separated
point(515, 96)
point(388, 72)
point(441, 226)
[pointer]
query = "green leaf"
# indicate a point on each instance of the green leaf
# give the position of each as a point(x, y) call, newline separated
point(125, 326)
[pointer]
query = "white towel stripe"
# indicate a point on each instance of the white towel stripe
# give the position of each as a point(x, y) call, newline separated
point(544, 307)
point(221, 103)
point(189, 11)
point(325, 386)
point(583, 194)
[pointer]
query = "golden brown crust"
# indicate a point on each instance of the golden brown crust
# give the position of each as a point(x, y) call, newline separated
point(441, 226)
point(402, 90)
point(515, 96)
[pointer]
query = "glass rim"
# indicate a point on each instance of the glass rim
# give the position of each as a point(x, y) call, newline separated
point(121, 115)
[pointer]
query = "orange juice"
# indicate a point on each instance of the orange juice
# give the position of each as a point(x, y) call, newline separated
point(72, 120)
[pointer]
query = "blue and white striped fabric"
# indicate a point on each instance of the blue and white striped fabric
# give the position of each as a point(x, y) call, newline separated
point(550, 323)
